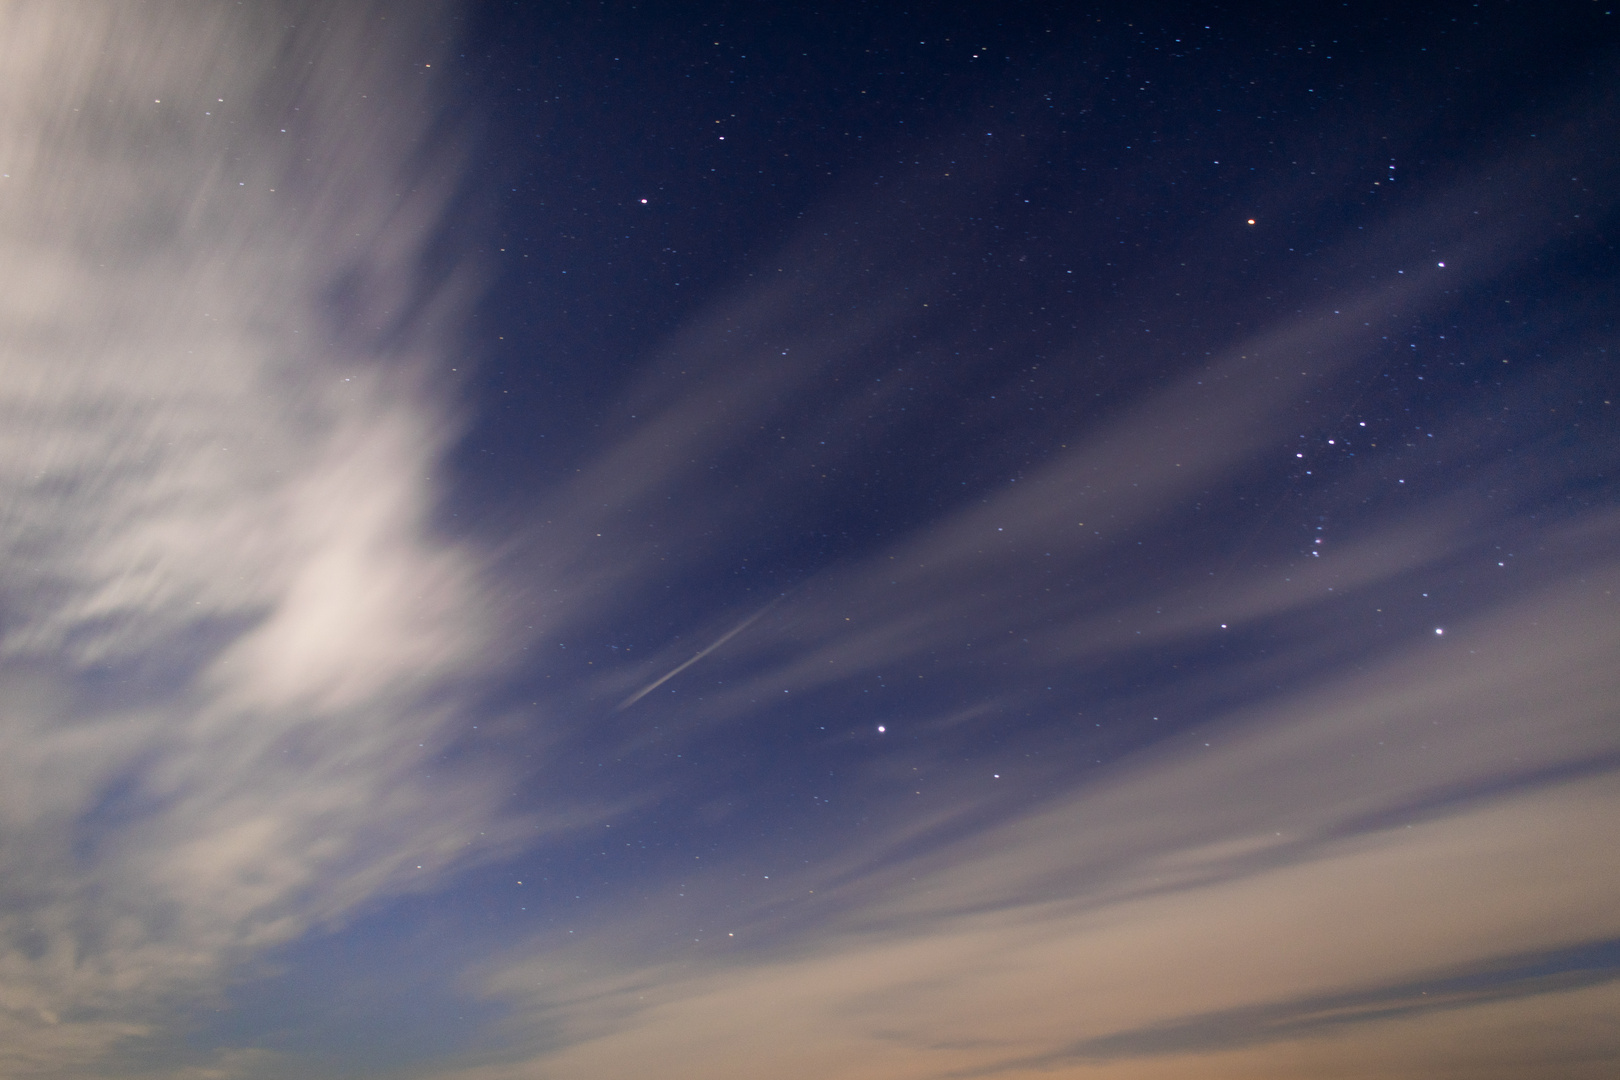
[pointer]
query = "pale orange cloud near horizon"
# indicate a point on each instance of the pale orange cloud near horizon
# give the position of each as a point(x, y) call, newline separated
point(1385, 875)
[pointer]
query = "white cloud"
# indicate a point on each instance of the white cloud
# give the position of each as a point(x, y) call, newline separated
point(223, 610)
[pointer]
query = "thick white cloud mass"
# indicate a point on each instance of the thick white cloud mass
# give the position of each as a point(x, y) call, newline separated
point(223, 614)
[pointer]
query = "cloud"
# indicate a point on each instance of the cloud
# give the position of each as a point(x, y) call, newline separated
point(1043, 569)
point(1419, 846)
point(1359, 815)
point(227, 626)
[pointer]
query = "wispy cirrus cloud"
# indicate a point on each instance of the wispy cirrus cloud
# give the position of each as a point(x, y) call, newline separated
point(1358, 871)
point(1378, 845)
point(773, 382)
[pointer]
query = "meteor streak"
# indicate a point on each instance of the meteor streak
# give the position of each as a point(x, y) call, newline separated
point(700, 654)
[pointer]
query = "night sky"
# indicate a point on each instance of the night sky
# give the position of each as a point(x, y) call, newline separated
point(718, 541)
